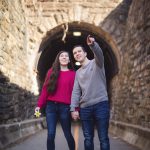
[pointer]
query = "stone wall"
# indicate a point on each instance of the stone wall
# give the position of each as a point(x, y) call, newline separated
point(16, 85)
point(115, 25)
point(15, 58)
point(131, 87)
point(18, 131)
point(130, 92)
point(126, 24)
point(16, 103)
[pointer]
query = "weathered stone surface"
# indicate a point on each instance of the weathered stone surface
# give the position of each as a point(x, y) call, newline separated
point(16, 104)
point(134, 91)
point(125, 24)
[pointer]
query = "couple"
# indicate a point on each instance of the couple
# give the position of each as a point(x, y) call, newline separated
point(83, 93)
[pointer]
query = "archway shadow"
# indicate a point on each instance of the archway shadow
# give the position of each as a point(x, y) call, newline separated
point(16, 104)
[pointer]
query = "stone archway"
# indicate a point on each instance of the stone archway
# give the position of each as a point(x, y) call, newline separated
point(53, 18)
point(62, 37)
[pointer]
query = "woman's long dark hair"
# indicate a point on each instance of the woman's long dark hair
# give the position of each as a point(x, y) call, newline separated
point(55, 72)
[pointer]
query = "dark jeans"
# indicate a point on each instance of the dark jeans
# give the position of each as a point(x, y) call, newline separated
point(55, 111)
point(96, 114)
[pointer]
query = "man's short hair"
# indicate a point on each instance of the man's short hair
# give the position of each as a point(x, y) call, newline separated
point(79, 46)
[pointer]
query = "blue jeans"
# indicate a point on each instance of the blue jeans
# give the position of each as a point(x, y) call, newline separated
point(96, 114)
point(55, 111)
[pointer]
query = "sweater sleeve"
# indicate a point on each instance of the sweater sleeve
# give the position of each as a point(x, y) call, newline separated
point(98, 54)
point(76, 94)
point(44, 94)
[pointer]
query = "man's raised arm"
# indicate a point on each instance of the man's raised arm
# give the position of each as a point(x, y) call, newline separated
point(98, 53)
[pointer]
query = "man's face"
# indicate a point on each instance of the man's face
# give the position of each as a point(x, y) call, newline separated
point(79, 54)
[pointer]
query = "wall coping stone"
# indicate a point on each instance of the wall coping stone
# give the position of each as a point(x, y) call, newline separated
point(11, 133)
point(133, 134)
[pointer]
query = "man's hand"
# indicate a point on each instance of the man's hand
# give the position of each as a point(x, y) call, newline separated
point(75, 115)
point(90, 40)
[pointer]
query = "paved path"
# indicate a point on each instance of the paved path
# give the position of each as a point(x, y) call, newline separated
point(38, 141)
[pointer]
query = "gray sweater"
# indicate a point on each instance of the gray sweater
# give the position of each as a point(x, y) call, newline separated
point(90, 82)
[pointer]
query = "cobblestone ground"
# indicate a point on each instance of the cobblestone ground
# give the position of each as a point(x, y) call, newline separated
point(38, 141)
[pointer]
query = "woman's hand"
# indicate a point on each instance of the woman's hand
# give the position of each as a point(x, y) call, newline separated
point(37, 112)
point(37, 109)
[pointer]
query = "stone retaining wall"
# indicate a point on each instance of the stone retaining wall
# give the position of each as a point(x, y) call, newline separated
point(12, 133)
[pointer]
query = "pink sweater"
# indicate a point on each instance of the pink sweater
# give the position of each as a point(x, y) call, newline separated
point(64, 89)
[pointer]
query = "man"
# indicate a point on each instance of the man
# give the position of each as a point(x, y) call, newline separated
point(90, 95)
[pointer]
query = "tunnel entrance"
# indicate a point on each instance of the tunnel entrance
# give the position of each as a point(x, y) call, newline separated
point(62, 38)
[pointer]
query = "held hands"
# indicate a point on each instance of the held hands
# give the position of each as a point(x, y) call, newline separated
point(90, 40)
point(37, 112)
point(75, 115)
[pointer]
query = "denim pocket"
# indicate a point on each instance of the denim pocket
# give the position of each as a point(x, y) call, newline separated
point(102, 110)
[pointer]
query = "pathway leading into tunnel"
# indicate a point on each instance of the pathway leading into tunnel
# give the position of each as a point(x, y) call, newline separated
point(38, 141)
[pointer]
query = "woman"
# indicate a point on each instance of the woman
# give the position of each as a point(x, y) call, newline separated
point(56, 96)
